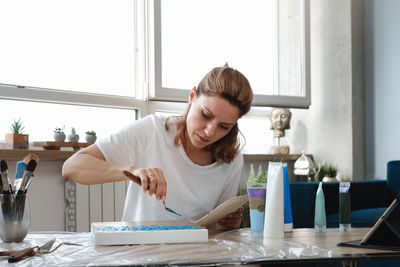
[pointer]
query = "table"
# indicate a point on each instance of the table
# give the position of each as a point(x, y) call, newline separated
point(240, 246)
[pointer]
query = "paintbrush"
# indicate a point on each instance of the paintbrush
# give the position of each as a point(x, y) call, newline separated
point(27, 176)
point(20, 169)
point(28, 158)
point(7, 200)
point(4, 177)
point(137, 180)
point(1, 184)
point(20, 196)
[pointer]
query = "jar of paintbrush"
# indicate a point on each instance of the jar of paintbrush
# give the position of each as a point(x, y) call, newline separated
point(14, 218)
point(14, 204)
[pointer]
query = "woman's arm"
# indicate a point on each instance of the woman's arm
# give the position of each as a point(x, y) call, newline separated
point(88, 166)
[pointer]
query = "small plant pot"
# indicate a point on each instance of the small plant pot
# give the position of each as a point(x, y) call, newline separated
point(73, 138)
point(17, 141)
point(329, 179)
point(59, 137)
point(90, 138)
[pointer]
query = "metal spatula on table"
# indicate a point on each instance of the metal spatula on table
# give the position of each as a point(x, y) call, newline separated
point(137, 180)
point(17, 255)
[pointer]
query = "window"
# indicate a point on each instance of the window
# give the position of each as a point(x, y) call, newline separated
point(257, 137)
point(110, 57)
point(53, 44)
point(266, 40)
point(68, 52)
point(40, 119)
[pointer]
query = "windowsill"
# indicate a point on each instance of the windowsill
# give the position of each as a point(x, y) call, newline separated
point(273, 157)
point(19, 154)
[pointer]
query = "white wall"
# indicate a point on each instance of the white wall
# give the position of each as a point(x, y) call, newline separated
point(326, 128)
point(382, 84)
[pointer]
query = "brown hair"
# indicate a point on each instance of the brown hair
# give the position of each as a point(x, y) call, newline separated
point(231, 85)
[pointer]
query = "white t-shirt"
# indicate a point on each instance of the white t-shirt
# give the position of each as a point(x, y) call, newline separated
point(192, 190)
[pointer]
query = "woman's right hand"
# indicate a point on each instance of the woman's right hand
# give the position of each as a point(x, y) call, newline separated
point(153, 181)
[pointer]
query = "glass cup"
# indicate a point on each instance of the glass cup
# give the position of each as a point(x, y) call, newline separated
point(14, 217)
point(256, 194)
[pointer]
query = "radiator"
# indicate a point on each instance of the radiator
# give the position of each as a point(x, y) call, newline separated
point(93, 203)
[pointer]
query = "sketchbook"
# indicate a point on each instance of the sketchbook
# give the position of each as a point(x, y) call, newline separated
point(229, 206)
point(385, 234)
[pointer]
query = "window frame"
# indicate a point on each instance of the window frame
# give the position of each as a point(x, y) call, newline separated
point(159, 93)
point(35, 94)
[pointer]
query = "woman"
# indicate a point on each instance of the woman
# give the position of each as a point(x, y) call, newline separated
point(192, 162)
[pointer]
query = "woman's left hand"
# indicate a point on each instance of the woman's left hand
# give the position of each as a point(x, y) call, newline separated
point(232, 220)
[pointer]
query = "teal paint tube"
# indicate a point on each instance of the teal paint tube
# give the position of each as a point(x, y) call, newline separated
point(320, 214)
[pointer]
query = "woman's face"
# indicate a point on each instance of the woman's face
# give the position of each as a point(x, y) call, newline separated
point(209, 119)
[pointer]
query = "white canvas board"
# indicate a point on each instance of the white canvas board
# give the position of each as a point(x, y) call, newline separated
point(105, 237)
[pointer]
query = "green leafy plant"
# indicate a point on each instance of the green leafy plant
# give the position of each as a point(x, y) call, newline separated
point(16, 127)
point(329, 171)
point(73, 130)
point(324, 169)
point(257, 181)
point(59, 130)
point(91, 132)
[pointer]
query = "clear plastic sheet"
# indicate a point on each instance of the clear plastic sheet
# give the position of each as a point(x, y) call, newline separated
point(232, 247)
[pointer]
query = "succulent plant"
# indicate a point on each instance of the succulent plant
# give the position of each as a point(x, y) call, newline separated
point(91, 132)
point(261, 177)
point(59, 130)
point(324, 169)
point(16, 127)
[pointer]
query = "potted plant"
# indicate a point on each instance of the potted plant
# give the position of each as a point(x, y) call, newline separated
point(325, 172)
point(253, 212)
point(59, 135)
point(16, 139)
point(90, 136)
point(73, 136)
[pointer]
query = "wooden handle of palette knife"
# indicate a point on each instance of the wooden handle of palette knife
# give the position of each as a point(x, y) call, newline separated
point(21, 254)
point(133, 178)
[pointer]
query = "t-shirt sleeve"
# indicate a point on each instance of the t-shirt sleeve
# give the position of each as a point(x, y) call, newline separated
point(126, 145)
point(232, 183)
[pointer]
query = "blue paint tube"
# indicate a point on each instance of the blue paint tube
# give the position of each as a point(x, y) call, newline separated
point(288, 217)
point(320, 213)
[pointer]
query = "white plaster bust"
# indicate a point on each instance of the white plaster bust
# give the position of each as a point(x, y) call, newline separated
point(280, 121)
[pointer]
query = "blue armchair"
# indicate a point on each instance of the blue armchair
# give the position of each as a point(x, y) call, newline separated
point(369, 199)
